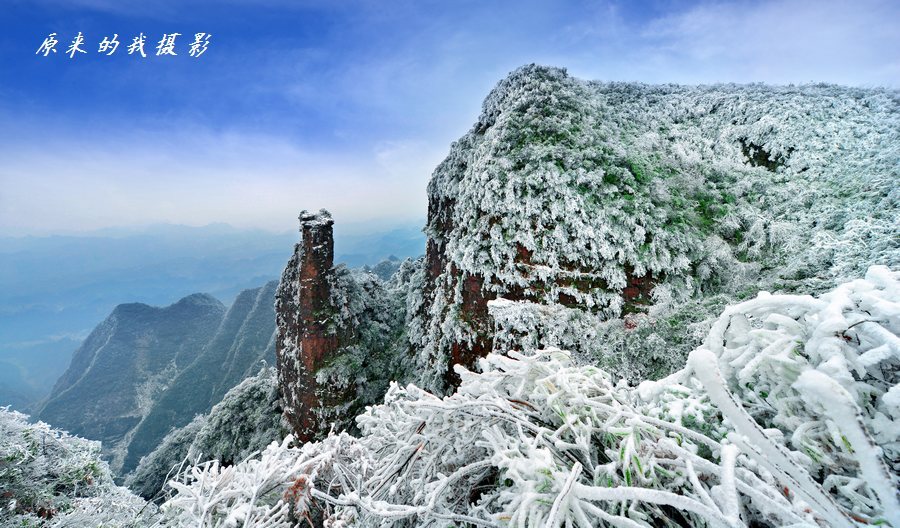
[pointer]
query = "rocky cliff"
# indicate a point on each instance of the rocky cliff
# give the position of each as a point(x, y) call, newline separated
point(340, 334)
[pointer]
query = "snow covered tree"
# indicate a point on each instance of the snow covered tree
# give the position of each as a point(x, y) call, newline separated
point(786, 415)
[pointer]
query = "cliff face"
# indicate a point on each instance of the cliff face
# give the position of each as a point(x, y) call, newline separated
point(126, 363)
point(627, 207)
point(340, 334)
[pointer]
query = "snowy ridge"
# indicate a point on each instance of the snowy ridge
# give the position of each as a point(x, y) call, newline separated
point(535, 440)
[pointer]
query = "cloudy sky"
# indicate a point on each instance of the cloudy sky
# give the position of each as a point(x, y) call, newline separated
point(345, 105)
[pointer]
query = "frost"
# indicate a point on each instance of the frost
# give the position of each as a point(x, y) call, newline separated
point(774, 421)
point(805, 366)
point(49, 478)
point(566, 191)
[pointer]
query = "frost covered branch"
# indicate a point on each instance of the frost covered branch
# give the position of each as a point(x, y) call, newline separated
point(756, 429)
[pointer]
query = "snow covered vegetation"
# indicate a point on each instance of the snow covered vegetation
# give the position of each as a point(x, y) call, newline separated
point(246, 420)
point(609, 198)
point(590, 339)
point(48, 478)
point(787, 415)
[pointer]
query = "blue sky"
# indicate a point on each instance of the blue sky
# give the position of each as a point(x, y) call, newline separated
point(346, 105)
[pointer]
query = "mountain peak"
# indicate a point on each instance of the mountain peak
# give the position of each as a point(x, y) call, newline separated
point(200, 299)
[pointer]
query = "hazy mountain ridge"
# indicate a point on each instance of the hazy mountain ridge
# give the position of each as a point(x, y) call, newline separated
point(242, 341)
point(47, 310)
point(125, 365)
point(145, 370)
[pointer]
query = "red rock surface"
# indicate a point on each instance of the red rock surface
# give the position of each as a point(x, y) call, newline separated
point(474, 298)
point(308, 335)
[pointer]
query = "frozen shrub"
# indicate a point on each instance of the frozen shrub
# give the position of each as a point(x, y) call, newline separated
point(535, 440)
point(246, 420)
point(49, 478)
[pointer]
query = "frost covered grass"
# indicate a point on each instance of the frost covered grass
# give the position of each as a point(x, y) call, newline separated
point(49, 478)
point(787, 415)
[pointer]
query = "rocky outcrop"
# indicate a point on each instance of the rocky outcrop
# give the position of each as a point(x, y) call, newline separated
point(308, 334)
point(498, 228)
point(340, 334)
point(604, 199)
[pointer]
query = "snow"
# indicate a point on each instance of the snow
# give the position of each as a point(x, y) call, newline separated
point(539, 440)
point(601, 181)
point(47, 474)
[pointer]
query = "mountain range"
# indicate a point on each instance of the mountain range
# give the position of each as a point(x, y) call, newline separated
point(48, 309)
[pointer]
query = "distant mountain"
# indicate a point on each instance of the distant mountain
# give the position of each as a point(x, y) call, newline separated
point(46, 310)
point(123, 367)
point(146, 371)
point(243, 340)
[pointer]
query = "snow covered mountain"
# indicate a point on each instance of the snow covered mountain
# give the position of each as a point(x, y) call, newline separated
point(615, 221)
point(640, 306)
point(607, 202)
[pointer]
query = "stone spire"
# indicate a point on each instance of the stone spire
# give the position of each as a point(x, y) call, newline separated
point(309, 335)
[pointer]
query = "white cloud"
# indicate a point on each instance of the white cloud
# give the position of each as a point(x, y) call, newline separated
point(197, 176)
point(777, 42)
